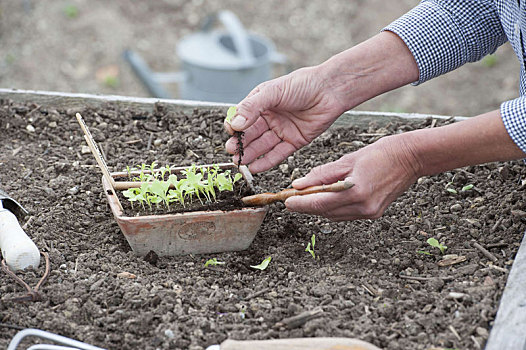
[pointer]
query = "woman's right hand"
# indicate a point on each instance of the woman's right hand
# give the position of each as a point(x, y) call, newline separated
point(282, 115)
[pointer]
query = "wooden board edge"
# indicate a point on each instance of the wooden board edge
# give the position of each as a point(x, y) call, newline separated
point(508, 329)
point(80, 100)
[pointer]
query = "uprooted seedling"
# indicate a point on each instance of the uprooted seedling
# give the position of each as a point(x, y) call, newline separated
point(240, 151)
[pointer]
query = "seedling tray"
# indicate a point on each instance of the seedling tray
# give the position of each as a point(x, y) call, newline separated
point(188, 233)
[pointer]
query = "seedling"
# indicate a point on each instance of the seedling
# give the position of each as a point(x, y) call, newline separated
point(434, 243)
point(71, 11)
point(155, 188)
point(263, 265)
point(213, 262)
point(423, 252)
point(111, 81)
point(467, 188)
point(230, 114)
point(489, 60)
point(310, 246)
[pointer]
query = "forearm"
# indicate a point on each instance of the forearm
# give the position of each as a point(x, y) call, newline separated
point(378, 65)
point(478, 140)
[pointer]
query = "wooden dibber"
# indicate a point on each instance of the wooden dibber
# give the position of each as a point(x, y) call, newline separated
point(268, 198)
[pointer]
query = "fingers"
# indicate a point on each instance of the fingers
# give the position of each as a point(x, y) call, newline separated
point(279, 153)
point(263, 97)
point(340, 206)
point(252, 133)
point(322, 204)
point(325, 174)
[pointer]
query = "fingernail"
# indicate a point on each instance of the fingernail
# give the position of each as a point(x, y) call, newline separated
point(298, 181)
point(238, 122)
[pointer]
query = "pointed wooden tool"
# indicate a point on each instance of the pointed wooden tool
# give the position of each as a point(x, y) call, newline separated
point(268, 198)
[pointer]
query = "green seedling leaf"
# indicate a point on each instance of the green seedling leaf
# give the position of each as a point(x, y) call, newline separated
point(423, 252)
point(230, 114)
point(213, 262)
point(451, 190)
point(434, 243)
point(467, 187)
point(310, 246)
point(263, 265)
point(489, 60)
point(71, 11)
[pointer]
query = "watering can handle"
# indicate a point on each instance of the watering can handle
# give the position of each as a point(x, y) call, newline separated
point(236, 30)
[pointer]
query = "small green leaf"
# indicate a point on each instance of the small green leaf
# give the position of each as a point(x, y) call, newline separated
point(434, 243)
point(423, 252)
point(451, 190)
point(71, 11)
point(467, 187)
point(310, 246)
point(237, 177)
point(489, 60)
point(263, 265)
point(213, 262)
point(230, 114)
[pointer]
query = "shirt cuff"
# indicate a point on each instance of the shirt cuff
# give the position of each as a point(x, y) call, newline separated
point(433, 38)
point(514, 118)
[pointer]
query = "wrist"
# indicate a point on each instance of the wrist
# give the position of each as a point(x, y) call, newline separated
point(378, 65)
point(404, 149)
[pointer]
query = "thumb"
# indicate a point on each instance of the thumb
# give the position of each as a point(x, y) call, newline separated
point(264, 97)
point(323, 175)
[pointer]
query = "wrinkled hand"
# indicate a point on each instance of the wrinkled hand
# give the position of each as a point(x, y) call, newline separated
point(380, 173)
point(282, 115)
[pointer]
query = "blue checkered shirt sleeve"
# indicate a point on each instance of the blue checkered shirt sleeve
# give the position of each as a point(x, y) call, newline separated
point(514, 118)
point(443, 35)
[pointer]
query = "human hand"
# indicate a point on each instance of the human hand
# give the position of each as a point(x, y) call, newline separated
point(282, 115)
point(380, 173)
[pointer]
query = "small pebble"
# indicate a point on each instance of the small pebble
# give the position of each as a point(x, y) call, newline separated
point(456, 295)
point(483, 332)
point(85, 150)
point(30, 128)
point(157, 142)
point(455, 208)
point(169, 334)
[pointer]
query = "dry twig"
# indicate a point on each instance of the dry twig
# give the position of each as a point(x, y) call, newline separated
point(485, 252)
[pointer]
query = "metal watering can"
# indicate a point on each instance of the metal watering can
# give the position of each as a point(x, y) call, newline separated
point(218, 65)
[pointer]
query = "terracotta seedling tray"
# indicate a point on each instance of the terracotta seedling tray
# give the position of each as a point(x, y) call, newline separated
point(188, 233)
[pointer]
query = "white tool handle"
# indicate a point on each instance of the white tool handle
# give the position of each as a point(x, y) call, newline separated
point(18, 249)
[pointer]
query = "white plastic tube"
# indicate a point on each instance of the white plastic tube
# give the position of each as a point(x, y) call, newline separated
point(18, 249)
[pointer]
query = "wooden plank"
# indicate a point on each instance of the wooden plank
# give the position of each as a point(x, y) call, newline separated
point(508, 331)
point(76, 100)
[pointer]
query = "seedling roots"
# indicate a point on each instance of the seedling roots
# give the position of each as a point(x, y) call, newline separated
point(239, 150)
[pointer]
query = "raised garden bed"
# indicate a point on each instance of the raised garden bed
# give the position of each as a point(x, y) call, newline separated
point(371, 280)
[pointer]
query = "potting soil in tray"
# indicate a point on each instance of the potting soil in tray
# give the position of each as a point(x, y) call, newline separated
point(101, 293)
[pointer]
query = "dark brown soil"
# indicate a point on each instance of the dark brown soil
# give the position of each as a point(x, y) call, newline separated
point(360, 280)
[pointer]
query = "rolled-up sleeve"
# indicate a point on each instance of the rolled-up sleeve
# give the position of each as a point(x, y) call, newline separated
point(514, 118)
point(443, 35)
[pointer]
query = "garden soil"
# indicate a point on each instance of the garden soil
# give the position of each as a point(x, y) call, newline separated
point(374, 280)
